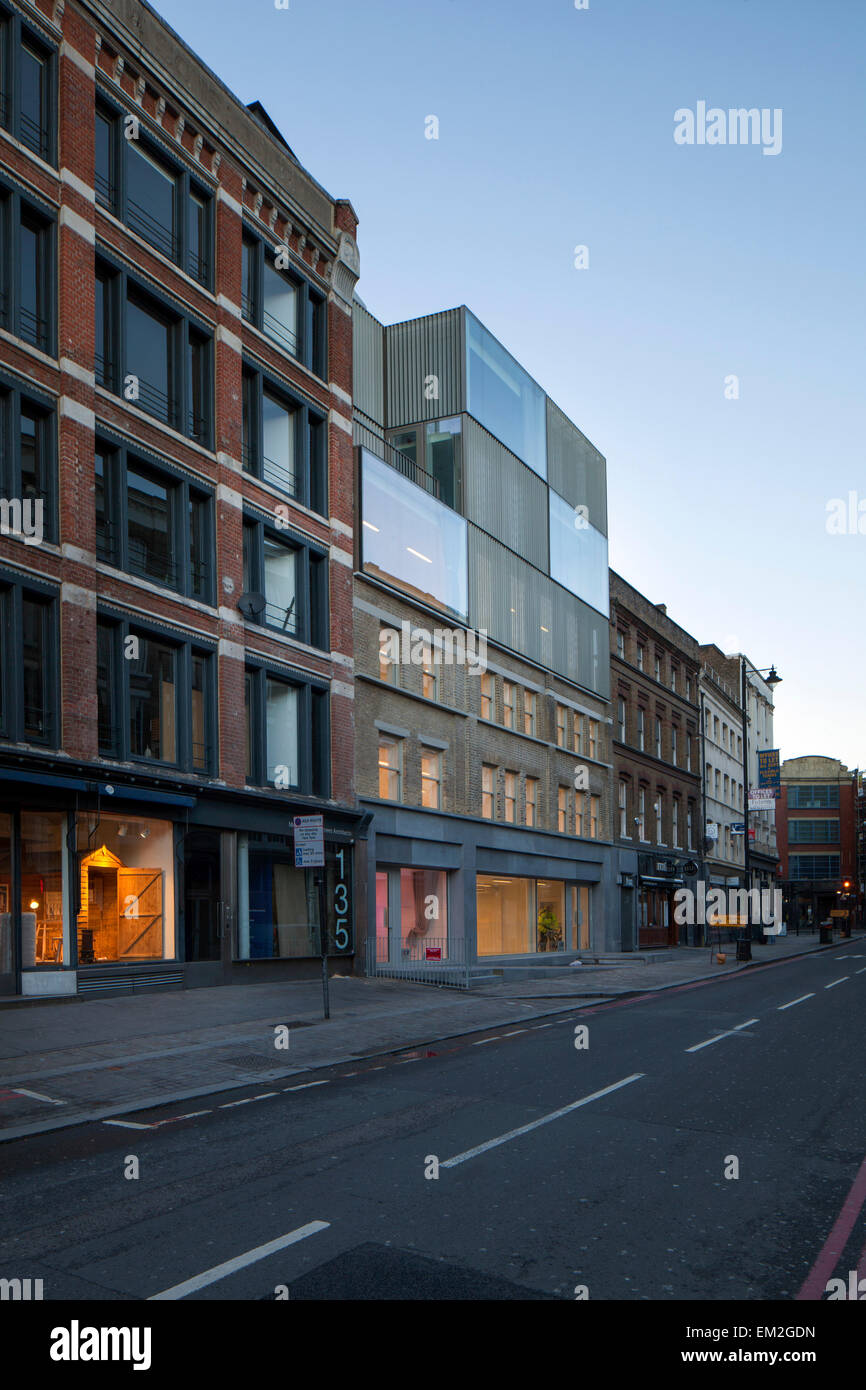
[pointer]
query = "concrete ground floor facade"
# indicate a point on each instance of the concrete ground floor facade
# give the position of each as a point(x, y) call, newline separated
point(447, 887)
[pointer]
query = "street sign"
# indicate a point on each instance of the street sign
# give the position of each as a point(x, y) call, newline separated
point(712, 830)
point(309, 842)
point(838, 912)
point(738, 828)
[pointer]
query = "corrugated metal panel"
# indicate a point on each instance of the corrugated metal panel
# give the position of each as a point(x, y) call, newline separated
point(368, 364)
point(575, 468)
point(416, 352)
point(526, 611)
point(503, 496)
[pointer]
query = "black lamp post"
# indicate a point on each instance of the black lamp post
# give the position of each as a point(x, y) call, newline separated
point(744, 944)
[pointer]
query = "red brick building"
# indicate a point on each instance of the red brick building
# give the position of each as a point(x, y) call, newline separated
point(176, 533)
point(817, 836)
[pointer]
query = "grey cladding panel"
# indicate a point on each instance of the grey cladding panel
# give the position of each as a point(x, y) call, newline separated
point(575, 468)
point(526, 611)
point(415, 352)
point(368, 364)
point(503, 496)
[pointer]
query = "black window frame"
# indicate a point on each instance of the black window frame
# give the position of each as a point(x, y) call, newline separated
point(15, 205)
point(16, 32)
point(115, 196)
point(12, 396)
point(311, 578)
point(311, 438)
point(13, 591)
point(117, 747)
point(183, 489)
point(314, 727)
point(112, 373)
point(312, 332)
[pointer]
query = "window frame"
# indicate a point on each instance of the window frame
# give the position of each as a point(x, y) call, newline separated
point(183, 489)
point(118, 747)
point(313, 627)
point(14, 590)
point(15, 205)
point(314, 717)
point(18, 32)
point(182, 324)
point(14, 397)
point(311, 438)
point(312, 346)
point(186, 186)
point(437, 755)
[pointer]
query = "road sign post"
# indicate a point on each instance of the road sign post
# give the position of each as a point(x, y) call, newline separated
point(310, 854)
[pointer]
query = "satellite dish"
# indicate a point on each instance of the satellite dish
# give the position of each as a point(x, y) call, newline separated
point(251, 605)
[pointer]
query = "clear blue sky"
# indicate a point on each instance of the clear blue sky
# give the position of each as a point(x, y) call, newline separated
point(556, 129)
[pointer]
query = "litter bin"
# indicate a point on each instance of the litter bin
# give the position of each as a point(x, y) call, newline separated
point(825, 933)
point(845, 929)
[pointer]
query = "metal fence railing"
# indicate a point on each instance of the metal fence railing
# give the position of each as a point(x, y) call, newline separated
point(427, 961)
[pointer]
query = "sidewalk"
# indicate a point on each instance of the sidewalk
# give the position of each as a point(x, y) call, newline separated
point(66, 1063)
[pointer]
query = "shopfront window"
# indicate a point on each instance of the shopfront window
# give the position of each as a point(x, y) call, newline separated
point(382, 919)
point(126, 877)
point(423, 912)
point(278, 908)
point(550, 915)
point(42, 839)
point(581, 901)
point(505, 913)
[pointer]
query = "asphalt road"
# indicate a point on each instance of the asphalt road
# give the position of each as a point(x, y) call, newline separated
point(615, 1181)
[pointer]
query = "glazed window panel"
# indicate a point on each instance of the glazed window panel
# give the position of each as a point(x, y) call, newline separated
point(153, 701)
point(43, 841)
point(281, 731)
point(412, 540)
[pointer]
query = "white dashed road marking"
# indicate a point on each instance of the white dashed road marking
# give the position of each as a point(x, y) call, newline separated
point(535, 1124)
point(37, 1095)
point(792, 1002)
point(718, 1038)
point(840, 981)
point(261, 1252)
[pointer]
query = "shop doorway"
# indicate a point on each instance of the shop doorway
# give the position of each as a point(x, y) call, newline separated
point(656, 919)
point(121, 917)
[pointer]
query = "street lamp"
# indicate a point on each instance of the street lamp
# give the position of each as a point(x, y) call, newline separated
point(772, 678)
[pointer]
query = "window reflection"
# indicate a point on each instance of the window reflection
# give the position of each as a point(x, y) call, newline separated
point(412, 539)
point(504, 398)
point(578, 555)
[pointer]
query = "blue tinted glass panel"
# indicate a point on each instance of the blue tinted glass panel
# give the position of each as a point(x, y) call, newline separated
point(504, 398)
point(578, 555)
point(411, 539)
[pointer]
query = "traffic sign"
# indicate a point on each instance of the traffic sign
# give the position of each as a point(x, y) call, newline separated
point(309, 842)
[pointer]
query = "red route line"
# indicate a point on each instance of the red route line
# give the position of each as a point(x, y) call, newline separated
point(834, 1245)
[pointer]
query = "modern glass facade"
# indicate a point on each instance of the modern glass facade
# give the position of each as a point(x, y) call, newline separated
point(504, 398)
point(578, 555)
point(411, 539)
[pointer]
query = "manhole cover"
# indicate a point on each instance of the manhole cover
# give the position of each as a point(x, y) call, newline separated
point(251, 1061)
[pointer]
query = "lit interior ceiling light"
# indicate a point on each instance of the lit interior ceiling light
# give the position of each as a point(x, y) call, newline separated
point(543, 628)
point(34, 905)
point(425, 558)
point(369, 525)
